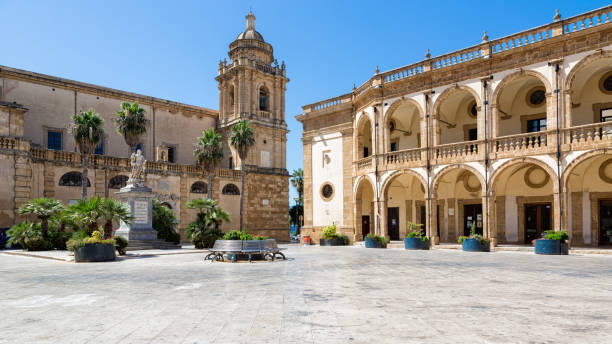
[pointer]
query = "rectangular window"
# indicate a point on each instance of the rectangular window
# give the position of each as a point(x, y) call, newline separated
point(536, 125)
point(231, 163)
point(393, 146)
point(100, 148)
point(473, 134)
point(605, 115)
point(54, 140)
point(171, 154)
point(366, 153)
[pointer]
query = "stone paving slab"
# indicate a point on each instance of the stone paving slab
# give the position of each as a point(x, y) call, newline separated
point(318, 295)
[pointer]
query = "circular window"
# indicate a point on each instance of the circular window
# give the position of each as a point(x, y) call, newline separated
point(605, 84)
point(327, 191)
point(472, 109)
point(536, 96)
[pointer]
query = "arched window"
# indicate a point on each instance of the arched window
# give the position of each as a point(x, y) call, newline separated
point(73, 179)
point(117, 182)
point(231, 95)
point(264, 100)
point(199, 187)
point(230, 189)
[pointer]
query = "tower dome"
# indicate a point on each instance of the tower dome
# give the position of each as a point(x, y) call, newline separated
point(250, 32)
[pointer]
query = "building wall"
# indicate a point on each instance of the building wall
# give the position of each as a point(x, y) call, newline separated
point(327, 168)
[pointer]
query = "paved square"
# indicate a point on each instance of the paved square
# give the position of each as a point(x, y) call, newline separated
point(321, 295)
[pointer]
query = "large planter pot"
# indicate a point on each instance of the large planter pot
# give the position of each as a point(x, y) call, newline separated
point(369, 243)
point(331, 242)
point(546, 246)
point(95, 253)
point(416, 244)
point(474, 245)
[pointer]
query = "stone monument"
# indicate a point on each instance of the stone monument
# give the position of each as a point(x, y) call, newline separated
point(139, 198)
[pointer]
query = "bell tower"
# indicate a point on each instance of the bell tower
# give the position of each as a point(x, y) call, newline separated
point(252, 86)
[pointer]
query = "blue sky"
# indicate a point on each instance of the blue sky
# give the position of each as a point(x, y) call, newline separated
point(171, 49)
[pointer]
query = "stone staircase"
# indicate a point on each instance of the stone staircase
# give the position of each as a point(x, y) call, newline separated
point(158, 244)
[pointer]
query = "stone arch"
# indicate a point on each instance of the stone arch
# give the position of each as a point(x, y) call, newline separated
point(230, 189)
point(264, 95)
point(569, 79)
point(524, 160)
point(452, 90)
point(398, 173)
point(73, 178)
point(118, 182)
point(567, 171)
point(438, 176)
point(517, 75)
point(359, 181)
point(396, 104)
point(364, 120)
point(199, 187)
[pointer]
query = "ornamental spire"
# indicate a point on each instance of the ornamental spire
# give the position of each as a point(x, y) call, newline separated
point(250, 21)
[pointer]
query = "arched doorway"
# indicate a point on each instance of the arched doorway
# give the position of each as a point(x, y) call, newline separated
point(526, 204)
point(458, 206)
point(404, 201)
point(364, 205)
point(588, 185)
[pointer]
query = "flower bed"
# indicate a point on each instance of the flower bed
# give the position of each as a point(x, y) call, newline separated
point(553, 243)
point(375, 241)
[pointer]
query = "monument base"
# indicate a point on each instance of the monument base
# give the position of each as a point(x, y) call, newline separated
point(139, 198)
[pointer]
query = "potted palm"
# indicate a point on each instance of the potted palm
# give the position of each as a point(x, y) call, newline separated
point(474, 242)
point(553, 242)
point(375, 241)
point(331, 238)
point(416, 239)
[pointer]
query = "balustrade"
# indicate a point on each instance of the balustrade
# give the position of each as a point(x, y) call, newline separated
point(589, 134)
point(364, 163)
point(452, 151)
point(404, 156)
point(521, 143)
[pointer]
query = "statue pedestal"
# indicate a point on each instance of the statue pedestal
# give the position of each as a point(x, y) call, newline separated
point(139, 199)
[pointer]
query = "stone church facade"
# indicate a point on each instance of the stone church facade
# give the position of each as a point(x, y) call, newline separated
point(38, 157)
point(510, 137)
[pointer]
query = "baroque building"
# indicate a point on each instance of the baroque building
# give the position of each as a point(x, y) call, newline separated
point(509, 137)
point(38, 157)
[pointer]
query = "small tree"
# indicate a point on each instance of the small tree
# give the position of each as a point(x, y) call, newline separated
point(209, 153)
point(87, 132)
point(43, 209)
point(86, 213)
point(114, 211)
point(131, 123)
point(297, 181)
point(207, 228)
point(243, 138)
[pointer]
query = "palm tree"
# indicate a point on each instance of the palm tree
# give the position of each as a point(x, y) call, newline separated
point(131, 123)
point(297, 181)
point(208, 153)
point(43, 209)
point(243, 138)
point(86, 213)
point(114, 211)
point(87, 132)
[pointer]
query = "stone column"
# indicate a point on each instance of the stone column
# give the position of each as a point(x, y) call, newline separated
point(556, 210)
point(488, 225)
point(382, 230)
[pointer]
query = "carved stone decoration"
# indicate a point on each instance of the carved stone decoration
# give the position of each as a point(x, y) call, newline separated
point(137, 175)
point(602, 171)
point(536, 184)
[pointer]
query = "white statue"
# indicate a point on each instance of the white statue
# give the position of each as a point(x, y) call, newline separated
point(137, 176)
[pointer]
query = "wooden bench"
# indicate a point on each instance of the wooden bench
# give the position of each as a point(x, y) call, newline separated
point(268, 248)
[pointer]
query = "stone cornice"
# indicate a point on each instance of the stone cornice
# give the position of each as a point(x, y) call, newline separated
point(52, 81)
